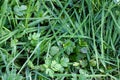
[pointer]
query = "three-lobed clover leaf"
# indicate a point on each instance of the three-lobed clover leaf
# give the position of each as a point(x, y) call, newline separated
point(54, 50)
point(64, 61)
point(20, 10)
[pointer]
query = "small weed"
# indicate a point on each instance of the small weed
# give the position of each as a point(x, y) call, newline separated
point(60, 40)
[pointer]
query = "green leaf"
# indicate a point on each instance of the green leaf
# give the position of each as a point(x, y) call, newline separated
point(82, 77)
point(20, 10)
point(93, 62)
point(34, 38)
point(14, 42)
point(76, 64)
point(69, 46)
point(30, 64)
point(84, 50)
point(50, 72)
point(82, 43)
point(83, 63)
point(54, 50)
point(64, 62)
point(74, 76)
point(56, 66)
point(48, 61)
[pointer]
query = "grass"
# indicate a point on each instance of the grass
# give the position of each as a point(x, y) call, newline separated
point(59, 40)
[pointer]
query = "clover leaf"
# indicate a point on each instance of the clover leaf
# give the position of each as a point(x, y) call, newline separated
point(20, 10)
point(69, 46)
point(84, 50)
point(50, 72)
point(54, 50)
point(64, 61)
point(56, 66)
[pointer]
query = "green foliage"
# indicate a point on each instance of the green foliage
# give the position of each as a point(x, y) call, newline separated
point(64, 61)
point(20, 10)
point(54, 50)
point(69, 46)
point(12, 75)
point(34, 38)
point(59, 39)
